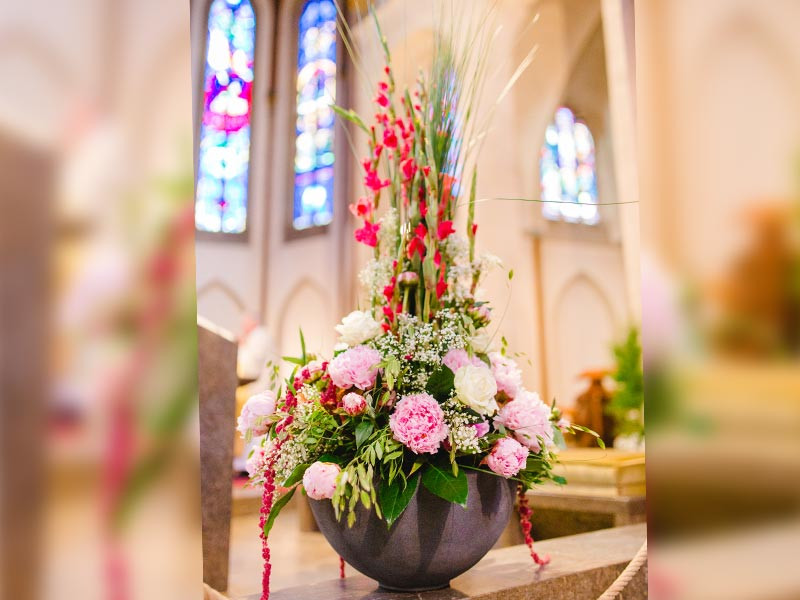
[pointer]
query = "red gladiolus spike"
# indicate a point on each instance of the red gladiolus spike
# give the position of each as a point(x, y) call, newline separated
point(445, 229)
point(441, 288)
point(416, 245)
point(377, 151)
point(388, 292)
point(389, 138)
point(386, 69)
point(386, 327)
point(409, 168)
point(368, 234)
point(383, 86)
point(426, 169)
point(423, 208)
point(474, 228)
point(421, 230)
point(525, 513)
point(382, 100)
point(437, 258)
point(388, 313)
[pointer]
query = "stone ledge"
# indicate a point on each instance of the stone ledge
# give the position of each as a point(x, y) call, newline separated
point(582, 567)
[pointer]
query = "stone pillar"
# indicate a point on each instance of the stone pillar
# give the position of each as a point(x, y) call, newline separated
point(216, 352)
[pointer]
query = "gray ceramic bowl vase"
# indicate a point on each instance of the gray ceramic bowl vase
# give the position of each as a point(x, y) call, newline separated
point(432, 542)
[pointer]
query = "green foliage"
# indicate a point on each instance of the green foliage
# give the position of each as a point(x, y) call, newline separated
point(441, 481)
point(276, 509)
point(627, 404)
point(441, 383)
point(395, 496)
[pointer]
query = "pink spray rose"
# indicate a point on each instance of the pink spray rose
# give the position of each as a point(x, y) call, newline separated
point(506, 374)
point(529, 418)
point(355, 367)
point(481, 429)
point(507, 457)
point(457, 358)
point(418, 423)
point(319, 480)
point(354, 404)
point(256, 412)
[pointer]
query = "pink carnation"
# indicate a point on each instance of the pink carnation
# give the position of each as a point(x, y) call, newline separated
point(507, 457)
point(319, 480)
point(529, 418)
point(354, 404)
point(457, 358)
point(418, 423)
point(355, 367)
point(506, 374)
point(256, 412)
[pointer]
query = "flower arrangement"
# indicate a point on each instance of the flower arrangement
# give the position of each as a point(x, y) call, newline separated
point(416, 394)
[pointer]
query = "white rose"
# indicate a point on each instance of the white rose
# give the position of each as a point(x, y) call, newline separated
point(476, 387)
point(481, 341)
point(357, 327)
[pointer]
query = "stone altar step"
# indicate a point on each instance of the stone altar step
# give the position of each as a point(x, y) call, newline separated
point(582, 567)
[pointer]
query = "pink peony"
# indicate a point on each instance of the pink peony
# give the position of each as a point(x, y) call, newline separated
point(506, 374)
point(457, 358)
point(507, 457)
point(319, 480)
point(529, 418)
point(354, 404)
point(255, 463)
point(256, 412)
point(355, 367)
point(418, 423)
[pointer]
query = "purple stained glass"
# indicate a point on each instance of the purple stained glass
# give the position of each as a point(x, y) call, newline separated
point(567, 171)
point(224, 151)
point(316, 92)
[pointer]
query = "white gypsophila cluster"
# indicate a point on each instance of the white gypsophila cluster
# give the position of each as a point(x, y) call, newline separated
point(460, 424)
point(292, 453)
point(459, 282)
point(310, 393)
point(389, 232)
point(456, 249)
point(376, 275)
point(486, 262)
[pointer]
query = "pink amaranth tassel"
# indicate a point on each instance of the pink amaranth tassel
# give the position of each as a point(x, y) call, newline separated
point(525, 513)
point(266, 507)
point(341, 568)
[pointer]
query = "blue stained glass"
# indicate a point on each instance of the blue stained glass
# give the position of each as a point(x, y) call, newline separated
point(316, 92)
point(567, 171)
point(224, 150)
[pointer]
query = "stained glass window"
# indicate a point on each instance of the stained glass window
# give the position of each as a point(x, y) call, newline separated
point(316, 92)
point(224, 152)
point(567, 171)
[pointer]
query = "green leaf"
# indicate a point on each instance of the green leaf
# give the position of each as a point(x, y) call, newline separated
point(444, 484)
point(363, 431)
point(511, 274)
point(394, 497)
point(559, 479)
point(276, 508)
point(331, 458)
point(296, 475)
point(558, 438)
point(350, 115)
point(294, 360)
point(440, 383)
point(303, 347)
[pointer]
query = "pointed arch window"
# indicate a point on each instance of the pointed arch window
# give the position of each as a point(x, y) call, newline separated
point(567, 171)
point(221, 197)
point(316, 92)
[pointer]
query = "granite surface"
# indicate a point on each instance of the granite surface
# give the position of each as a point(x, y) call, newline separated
point(582, 567)
point(217, 382)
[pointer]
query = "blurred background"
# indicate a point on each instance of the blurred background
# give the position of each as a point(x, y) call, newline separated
point(138, 138)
